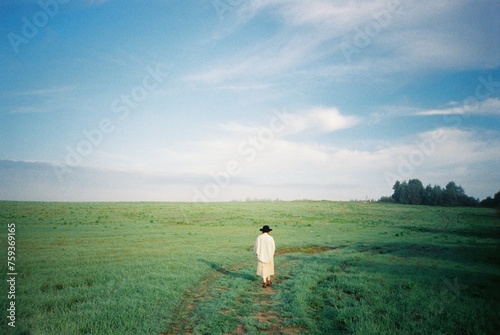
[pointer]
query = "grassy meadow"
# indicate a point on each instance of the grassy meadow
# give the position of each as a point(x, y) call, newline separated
point(188, 268)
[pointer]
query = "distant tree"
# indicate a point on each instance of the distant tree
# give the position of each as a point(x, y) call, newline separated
point(496, 199)
point(488, 202)
point(432, 195)
point(427, 196)
point(387, 199)
point(469, 201)
point(415, 192)
point(410, 192)
point(452, 194)
point(400, 194)
point(437, 195)
point(491, 202)
point(396, 195)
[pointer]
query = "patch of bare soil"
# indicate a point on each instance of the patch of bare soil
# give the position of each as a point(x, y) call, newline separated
point(306, 249)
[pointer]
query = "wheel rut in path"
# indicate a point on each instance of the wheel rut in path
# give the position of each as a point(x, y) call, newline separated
point(237, 297)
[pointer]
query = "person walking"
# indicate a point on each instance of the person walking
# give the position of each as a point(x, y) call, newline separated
point(264, 248)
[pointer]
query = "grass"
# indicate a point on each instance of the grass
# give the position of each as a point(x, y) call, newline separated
point(172, 268)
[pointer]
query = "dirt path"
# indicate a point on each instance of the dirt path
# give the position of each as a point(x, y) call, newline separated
point(261, 301)
point(253, 309)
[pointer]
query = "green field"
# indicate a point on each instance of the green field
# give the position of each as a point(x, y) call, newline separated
point(168, 268)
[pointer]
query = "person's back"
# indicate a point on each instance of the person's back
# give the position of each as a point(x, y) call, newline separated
point(264, 248)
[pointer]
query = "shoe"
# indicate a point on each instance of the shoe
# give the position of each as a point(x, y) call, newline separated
point(264, 285)
point(269, 283)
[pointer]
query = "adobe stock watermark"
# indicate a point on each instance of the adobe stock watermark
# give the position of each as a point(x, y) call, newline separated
point(223, 7)
point(407, 165)
point(248, 151)
point(120, 109)
point(31, 26)
point(363, 37)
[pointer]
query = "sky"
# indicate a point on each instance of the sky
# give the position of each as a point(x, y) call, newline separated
point(222, 100)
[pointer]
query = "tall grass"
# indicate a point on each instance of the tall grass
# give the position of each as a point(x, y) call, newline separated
point(349, 268)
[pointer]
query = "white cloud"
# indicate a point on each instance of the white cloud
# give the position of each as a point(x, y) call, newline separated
point(437, 157)
point(39, 92)
point(305, 26)
point(315, 120)
point(40, 100)
point(456, 146)
point(281, 52)
point(283, 168)
point(321, 120)
point(287, 162)
point(239, 128)
point(489, 106)
point(339, 16)
point(387, 37)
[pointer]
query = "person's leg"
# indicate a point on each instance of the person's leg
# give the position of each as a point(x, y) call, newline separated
point(267, 270)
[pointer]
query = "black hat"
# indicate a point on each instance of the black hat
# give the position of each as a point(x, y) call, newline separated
point(265, 229)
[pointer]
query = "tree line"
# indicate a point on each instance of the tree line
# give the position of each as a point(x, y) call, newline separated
point(413, 192)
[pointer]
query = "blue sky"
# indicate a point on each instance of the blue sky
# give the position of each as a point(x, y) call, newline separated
point(225, 100)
